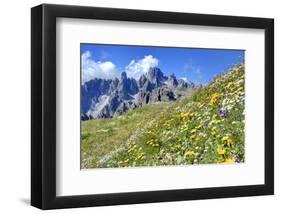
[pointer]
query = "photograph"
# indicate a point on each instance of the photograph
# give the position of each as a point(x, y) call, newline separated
point(161, 106)
point(135, 106)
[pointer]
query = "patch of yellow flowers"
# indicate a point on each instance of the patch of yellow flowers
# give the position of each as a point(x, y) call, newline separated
point(228, 140)
point(153, 143)
point(214, 98)
point(221, 151)
point(188, 153)
point(229, 160)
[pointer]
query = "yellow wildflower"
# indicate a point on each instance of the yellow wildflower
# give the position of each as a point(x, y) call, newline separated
point(193, 131)
point(218, 121)
point(221, 151)
point(225, 138)
point(228, 85)
point(188, 153)
point(200, 105)
point(212, 122)
point(182, 114)
point(199, 126)
point(229, 160)
point(240, 89)
point(139, 156)
point(214, 98)
point(192, 137)
point(229, 142)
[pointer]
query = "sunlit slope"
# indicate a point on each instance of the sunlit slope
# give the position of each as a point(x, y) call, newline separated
point(206, 127)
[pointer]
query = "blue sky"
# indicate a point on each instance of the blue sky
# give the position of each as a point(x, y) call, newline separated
point(197, 65)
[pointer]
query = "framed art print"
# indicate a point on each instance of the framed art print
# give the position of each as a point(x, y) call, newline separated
point(133, 106)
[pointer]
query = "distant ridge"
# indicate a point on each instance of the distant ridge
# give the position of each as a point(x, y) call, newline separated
point(106, 98)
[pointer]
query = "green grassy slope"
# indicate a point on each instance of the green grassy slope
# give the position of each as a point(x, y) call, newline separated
point(206, 127)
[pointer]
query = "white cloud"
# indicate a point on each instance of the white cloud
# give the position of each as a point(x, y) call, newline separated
point(136, 68)
point(92, 69)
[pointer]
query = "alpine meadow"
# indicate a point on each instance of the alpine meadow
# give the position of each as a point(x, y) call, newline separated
point(155, 106)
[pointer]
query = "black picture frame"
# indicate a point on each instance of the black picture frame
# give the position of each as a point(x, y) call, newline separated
point(43, 106)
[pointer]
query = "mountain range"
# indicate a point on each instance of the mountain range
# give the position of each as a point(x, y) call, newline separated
point(106, 98)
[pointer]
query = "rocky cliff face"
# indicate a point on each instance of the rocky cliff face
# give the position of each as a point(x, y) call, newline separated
point(102, 98)
point(127, 87)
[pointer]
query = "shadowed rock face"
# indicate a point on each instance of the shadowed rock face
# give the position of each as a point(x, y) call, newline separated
point(172, 81)
point(152, 79)
point(101, 98)
point(92, 90)
point(127, 87)
point(183, 84)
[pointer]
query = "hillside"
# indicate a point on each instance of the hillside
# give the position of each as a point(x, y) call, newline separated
point(206, 127)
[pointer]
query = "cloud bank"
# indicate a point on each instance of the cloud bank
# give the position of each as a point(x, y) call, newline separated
point(136, 68)
point(92, 69)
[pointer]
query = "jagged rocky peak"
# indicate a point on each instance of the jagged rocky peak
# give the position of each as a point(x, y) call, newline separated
point(152, 79)
point(160, 94)
point(127, 87)
point(123, 76)
point(92, 90)
point(182, 84)
point(155, 75)
point(185, 83)
point(142, 81)
point(172, 81)
point(114, 84)
point(105, 98)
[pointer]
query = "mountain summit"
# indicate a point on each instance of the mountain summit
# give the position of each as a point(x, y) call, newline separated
point(105, 98)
